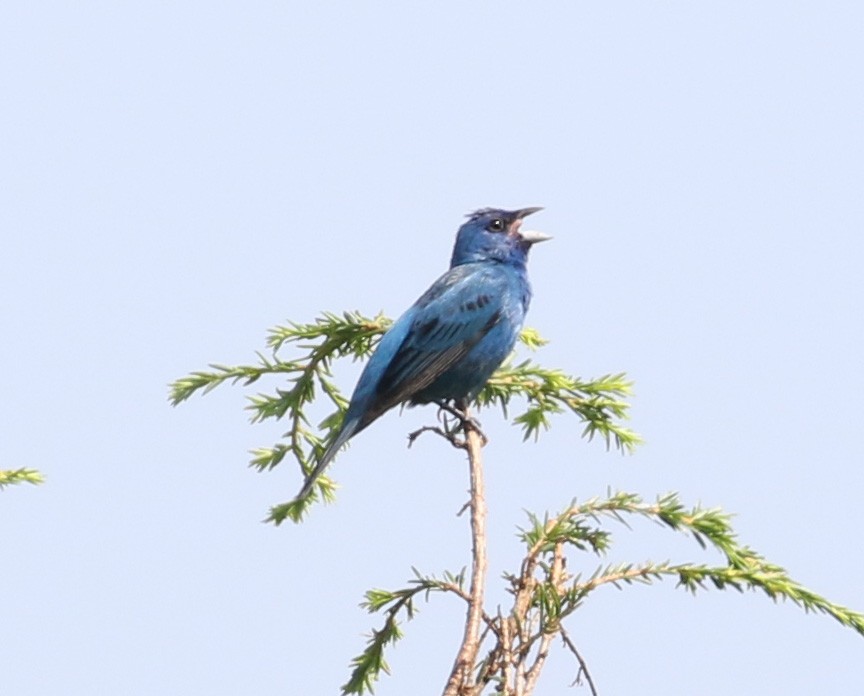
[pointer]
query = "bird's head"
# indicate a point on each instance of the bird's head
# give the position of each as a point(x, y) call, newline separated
point(495, 235)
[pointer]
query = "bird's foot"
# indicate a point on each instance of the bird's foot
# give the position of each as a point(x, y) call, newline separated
point(466, 422)
point(449, 430)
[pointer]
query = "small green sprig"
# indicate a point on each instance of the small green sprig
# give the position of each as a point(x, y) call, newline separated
point(329, 337)
point(598, 403)
point(369, 665)
point(16, 476)
point(543, 393)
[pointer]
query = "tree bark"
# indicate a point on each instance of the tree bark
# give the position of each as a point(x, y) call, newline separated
point(461, 682)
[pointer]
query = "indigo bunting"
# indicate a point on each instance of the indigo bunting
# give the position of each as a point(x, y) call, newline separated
point(448, 344)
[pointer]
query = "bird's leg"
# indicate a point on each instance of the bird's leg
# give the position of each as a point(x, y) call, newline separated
point(444, 410)
point(450, 432)
point(443, 432)
point(458, 410)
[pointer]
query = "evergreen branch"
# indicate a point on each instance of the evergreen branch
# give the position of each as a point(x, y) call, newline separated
point(12, 477)
point(745, 568)
point(706, 525)
point(599, 403)
point(769, 578)
point(185, 387)
point(328, 337)
point(350, 334)
point(369, 665)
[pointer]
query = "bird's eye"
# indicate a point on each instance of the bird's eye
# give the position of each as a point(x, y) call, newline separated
point(496, 225)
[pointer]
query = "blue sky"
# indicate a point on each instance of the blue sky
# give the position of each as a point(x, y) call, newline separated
point(178, 177)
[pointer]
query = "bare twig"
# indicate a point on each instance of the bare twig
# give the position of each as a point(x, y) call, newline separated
point(583, 668)
point(460, 682)
point(507, 651)
point(491, 625)
point(450, 437)
point(557, 578)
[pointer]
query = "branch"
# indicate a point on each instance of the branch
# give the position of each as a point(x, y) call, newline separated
point(745, 569)
point(583, 668)
point(460, 681)
point(598, 403)
point(551, 625)
point(369, 665)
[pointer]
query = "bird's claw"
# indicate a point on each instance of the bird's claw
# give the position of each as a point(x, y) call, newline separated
point(466, 422)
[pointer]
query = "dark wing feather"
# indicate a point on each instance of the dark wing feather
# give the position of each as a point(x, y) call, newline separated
point(449, 320)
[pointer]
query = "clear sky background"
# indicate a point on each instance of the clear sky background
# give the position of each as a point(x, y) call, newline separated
point(176, 178)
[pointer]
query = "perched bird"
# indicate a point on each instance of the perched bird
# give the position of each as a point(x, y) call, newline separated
point(448, 344)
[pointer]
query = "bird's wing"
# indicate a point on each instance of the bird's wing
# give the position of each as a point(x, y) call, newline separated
point(446, 322)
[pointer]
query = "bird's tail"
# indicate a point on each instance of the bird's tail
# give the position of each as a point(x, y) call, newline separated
point(348, 430)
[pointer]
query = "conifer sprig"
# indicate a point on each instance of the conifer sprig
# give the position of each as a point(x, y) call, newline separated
point(12, 477)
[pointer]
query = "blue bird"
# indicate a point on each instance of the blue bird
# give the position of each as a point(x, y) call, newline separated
point(448, 344)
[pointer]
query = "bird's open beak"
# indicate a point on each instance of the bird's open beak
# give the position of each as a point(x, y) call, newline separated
point(530, 236)
point(525, 212)
point(534, 237)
